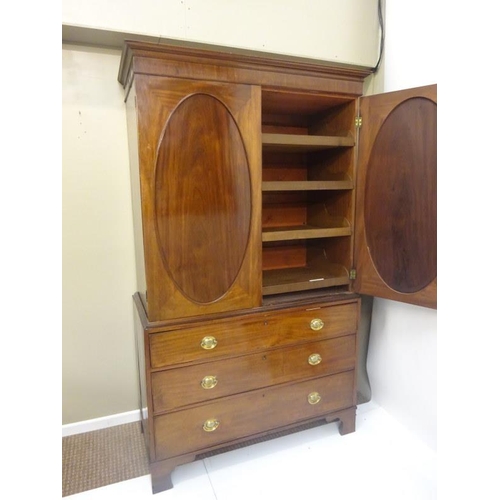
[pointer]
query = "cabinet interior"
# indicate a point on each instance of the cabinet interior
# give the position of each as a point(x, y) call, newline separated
point(307, 190)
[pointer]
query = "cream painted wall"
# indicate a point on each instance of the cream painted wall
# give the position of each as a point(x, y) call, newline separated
point(402, 356)
point(98, 358)
point(337, 30)
point(98, 371)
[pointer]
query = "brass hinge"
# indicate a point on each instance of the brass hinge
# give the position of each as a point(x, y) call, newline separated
point(352, 274)
point(358, 121)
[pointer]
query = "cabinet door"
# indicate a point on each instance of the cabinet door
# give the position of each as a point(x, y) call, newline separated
point(396, 225)
point(200, 164)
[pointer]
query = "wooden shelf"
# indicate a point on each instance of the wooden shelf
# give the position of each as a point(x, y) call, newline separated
point(307, 188)
point(303, 278)
point(303, 232)
point(298, 143)
point(307, 185)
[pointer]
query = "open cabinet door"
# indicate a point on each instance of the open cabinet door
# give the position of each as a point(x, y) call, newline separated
point(395, 249)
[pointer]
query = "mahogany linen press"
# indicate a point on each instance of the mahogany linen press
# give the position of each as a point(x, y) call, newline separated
point(268, 196)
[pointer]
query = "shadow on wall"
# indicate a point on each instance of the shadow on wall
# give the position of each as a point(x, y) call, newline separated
point(364, 390)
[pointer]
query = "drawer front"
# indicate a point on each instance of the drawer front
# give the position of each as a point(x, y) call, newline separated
point(194, 384)
point(222, 421)
point(247, 334)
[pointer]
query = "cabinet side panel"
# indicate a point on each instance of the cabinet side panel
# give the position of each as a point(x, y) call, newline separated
point(133, 138)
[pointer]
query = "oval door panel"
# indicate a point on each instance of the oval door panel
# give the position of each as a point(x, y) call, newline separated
point(202, 198)
point(400, 197)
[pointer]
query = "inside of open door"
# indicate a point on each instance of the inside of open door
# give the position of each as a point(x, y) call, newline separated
point(396, 209)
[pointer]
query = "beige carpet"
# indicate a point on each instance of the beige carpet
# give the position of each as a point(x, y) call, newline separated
point(94, 459)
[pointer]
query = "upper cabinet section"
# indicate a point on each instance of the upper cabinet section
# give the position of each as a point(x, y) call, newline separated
point(218, 231)
point(252, 177)
point(396, 208)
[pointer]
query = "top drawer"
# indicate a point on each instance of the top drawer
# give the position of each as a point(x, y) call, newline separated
point(250, 333)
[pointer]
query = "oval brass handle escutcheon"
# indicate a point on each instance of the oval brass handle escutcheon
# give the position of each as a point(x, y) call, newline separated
point(314, 359)
point(209, 382)
point(313, 398)
point(208, 342)
point(210, 425)
point(317, 324)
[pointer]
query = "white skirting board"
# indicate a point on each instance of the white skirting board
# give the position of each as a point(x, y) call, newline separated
point(101, 423)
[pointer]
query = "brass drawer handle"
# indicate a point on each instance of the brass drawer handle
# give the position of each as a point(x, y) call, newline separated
point(208, 342)
point(210, 425)
point(314, 359)
point(313, 398)
point(317, 324)
point(209, 382)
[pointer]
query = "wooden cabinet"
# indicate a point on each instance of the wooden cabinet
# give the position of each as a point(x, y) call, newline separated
point(267, 195)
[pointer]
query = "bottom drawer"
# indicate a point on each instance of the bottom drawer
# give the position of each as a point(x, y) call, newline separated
point(222, 421)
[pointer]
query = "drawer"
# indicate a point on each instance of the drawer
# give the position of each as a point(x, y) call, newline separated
point(179, 387)
point(250, 333)
point(222, 421)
